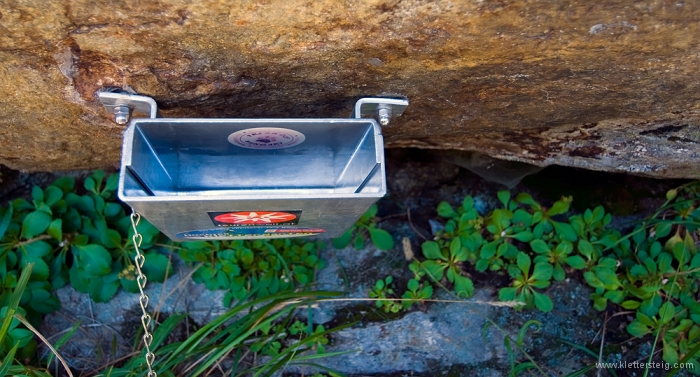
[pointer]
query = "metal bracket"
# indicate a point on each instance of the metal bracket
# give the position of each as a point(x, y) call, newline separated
point(382, 108)
point(123, 104)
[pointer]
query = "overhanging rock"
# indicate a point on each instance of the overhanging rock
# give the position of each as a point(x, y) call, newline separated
point(607, 86)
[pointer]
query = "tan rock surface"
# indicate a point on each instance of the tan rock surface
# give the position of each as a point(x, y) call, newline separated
point(610, 85)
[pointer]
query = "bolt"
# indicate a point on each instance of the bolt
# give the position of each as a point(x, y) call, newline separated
point(122, 113)
point(384, 114)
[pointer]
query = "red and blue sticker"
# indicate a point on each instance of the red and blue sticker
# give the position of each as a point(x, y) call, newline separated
point(254, 218)
point(252, 225)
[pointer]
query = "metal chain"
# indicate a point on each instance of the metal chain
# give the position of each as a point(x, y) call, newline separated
point(139, 259)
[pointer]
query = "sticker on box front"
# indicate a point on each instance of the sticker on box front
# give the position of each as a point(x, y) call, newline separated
point(255, 218)
point(249, 233)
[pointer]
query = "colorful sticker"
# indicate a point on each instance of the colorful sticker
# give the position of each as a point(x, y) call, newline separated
point(266, 138)
point(254, 218)
point(249, 233)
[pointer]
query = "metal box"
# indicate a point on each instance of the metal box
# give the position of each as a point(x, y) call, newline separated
point(252, 178)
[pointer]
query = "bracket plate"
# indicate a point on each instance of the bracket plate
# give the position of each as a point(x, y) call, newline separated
point(138, 104)
point(370, 106)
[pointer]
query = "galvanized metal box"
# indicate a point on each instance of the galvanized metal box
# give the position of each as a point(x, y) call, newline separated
point(252, 178)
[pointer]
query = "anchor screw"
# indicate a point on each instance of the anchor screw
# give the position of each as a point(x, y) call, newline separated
point(122, 113)
point(384, 115)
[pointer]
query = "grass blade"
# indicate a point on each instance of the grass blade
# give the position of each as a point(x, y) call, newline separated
point(7, 362)
point(46, 342)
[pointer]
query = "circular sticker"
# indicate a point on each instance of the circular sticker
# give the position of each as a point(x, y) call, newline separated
point(249, 233)
point(251, 217)
point(266, 138)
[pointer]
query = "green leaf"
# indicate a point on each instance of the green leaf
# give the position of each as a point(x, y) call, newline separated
point(413, 285)
point(455, 246)
point(89, 184)
point(444, 209)
point(65, 183)
point(637, 329)
point(112, 183)
point(600, 303)
point(565, 231)
point(464, 287)
point(525, 198)
point(671, 194)
point(650, 307)
point(664, 262)
point(489, 250)
point(156, 267)
point(630, 304)
point(670, 355)
point(608, 277)
point(55, 229)
point(344, 240)
point(103, 288)
point(539, 246)
point(482, 265)
point(52, 195)
point(663, 229)
point(37, 249)
point(431, 250)
point(615, 296)
point(638, 271)
point(558, 272)
point(467, 203)
point(655, 249)
point(507, 293)
point(247, 256)
point(358, 242)
point(523, 261)
point(434, 268)
point(504, 197)
point(20, 336)
point(34, 224)
point(79, 279)
point(543, 302)
point(543, 271)
point(41, 269)
point(576, 262)
point(37, 194)
point(94, 259)
point(695, 262)
point(666, 313)
point(5, 222)
point(112, 210)
point(371, 213)
point(381, 239)
point(44, 302)
point(559, 207)
point(524, 236)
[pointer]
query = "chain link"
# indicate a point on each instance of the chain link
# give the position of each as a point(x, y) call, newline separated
point(141, 280)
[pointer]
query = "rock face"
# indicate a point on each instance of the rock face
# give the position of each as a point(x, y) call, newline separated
point(609, 85)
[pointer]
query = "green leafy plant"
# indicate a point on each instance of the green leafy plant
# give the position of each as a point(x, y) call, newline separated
point(384, 289)
point(527, 281)
point(17, 334)
point(81, 239)
point(366, 225)
point(254, 267)
point(447, 261)
point(654, 270)
point(416, 292)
